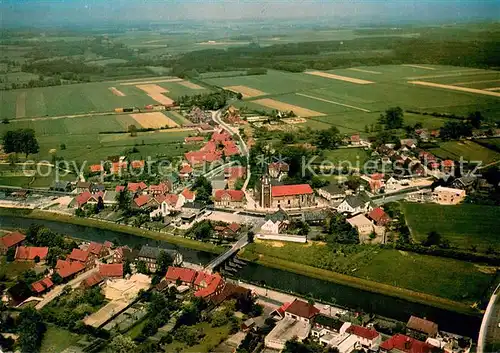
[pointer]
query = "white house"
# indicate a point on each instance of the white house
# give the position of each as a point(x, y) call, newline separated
point(362, 224)
point(368, 338)
point(352, 204)
point(332, 192)
point(271, 227)
point(392, 184)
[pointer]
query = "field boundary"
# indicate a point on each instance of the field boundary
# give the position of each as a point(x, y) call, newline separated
point(366, 71)
point(458, 73)
point(298, 110)
point(332, 102)
point(420, 67)
point(21, 105)
point(455, 88)
point(135, 83)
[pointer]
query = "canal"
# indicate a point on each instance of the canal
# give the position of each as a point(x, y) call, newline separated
point(346, 296)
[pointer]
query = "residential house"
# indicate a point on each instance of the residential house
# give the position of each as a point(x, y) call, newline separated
point(233, 174)
point(316, 217)
point(467, 183)
point(273, 227)
point(31, 253)
point(300, 310)
point(97, 188)
point(448, 196)
point(404, 344)
point(96, 168)
point(332, 192)
point(199, 158)
point(149, 255)
point(137, 188)
point(111, 270)
point(137, 164)
point(119, 254)
point(193, 139)
point(353, 204)
point(343, 343)
point(421, 328)
point(355, 140)
point(362, 224)
point(160, 189)
point(82, 186)
point(91, 281)
point(67, 269)
point(228, 230)
point(142, 201)
point(229, 198)
point(278, 170)
point(409, 143)
point(42, 285)
point(186, 276)
point(85, 257)
point(392, 184)
point(378, 216)
point(324, 324)
point(186, 171)
point(187, 196)
point(368, 338)
point(208, 285)
point(86, 197)
point(98, 250)
point(423, 134)
point(447, 164)
point(166, 204)
point(11, 240)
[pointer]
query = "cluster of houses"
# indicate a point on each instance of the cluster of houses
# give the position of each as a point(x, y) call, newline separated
point(104, 257)
point(301, 320)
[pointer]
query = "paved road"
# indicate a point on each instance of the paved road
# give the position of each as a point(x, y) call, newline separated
point(489, 334)
point(242, 242)
point(57, 290)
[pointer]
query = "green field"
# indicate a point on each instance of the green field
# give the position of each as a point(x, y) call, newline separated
point(213, 337)
point(56, 340)
point(470, 151)
point(355, 156)
point(463, 225)
point(459, 281)
point(351, 106)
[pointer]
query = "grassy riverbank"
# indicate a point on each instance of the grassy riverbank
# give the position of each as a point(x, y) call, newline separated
point(50, 216)
point(422, 279)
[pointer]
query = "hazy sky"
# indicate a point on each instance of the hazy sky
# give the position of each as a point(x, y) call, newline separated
point(81, 11)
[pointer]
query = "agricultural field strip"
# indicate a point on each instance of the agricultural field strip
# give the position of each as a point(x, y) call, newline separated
point(452, 74)
point(492, 89)
point(191, 85)
point(332, 102)
point(21, 105)
point(365, 71)
point(274, 104)
point(151, 81)
point(153, 120)
point(247, 92)
point(340, 78)
point(117, 92)
point(455, 88)
point(420, 67)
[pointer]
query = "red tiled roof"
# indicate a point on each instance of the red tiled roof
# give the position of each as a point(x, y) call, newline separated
point(193, 139)
point(67, 268)
point(111, 270)
point(197, 157)
point(171, 199)
point(83, 198)
point(362, 332)
point(186, 275)
point(12, 239)
point(378, 215)
point(134, 187)
point(96, 168)
point(108, 244)
point(214, 282)
point(222, 136)
point(91, 281)
point(142, 200)
point(119, 188)
point(355, 138)
point(302, 309)
point(186, 169)
point(210, 146)
point(283, 308)
point(234, 195)
point(447, 163)
point(30, 252)
point(79, 255)
point(161, 187)
point(377, 176)
point(234, 227)
point(42, 285)
point(95, 248)
point(406, 344)
point(290, 190)
point(117, 166)
point(137, 164)
point(230, 148)
point(188, 194)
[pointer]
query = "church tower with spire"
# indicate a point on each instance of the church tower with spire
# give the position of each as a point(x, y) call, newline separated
point(265, 191)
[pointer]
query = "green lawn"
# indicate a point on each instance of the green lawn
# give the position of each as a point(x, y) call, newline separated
point(463, 225)
point(446, 278)
point(213, 337)
point(355, 157)
point(57, 339)
point(469, 150)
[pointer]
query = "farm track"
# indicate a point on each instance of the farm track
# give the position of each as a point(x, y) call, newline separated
point(332, 102)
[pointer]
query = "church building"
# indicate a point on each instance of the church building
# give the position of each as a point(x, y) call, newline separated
point(285, 196)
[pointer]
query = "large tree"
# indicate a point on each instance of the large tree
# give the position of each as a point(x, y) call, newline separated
point(328, 139)
point(20, 141)
point(392, 119)
point(122, 344)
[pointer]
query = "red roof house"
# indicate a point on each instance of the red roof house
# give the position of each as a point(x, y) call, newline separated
point(135, 187)
point(301, 309)
point(111, 270)
point(193, 139)
point(97, 249)
point(238, 172)
point(79, 255)
point(67, 268)
point(137, 164)
point(93, 280)
point(406, 344)
point(363, 332)
point(447, 163)
point(120, 188)
point(29, 253)
point(142, 200)
point(221, 136)
point(188, 195)
point(10, 240)
point(185, 171)
point(291, 190)
point(83, 198)
point(209, 285)
point(222, 195)
point(185, 275)
point(96, 168)
point(42, 285)
point(379, 216)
